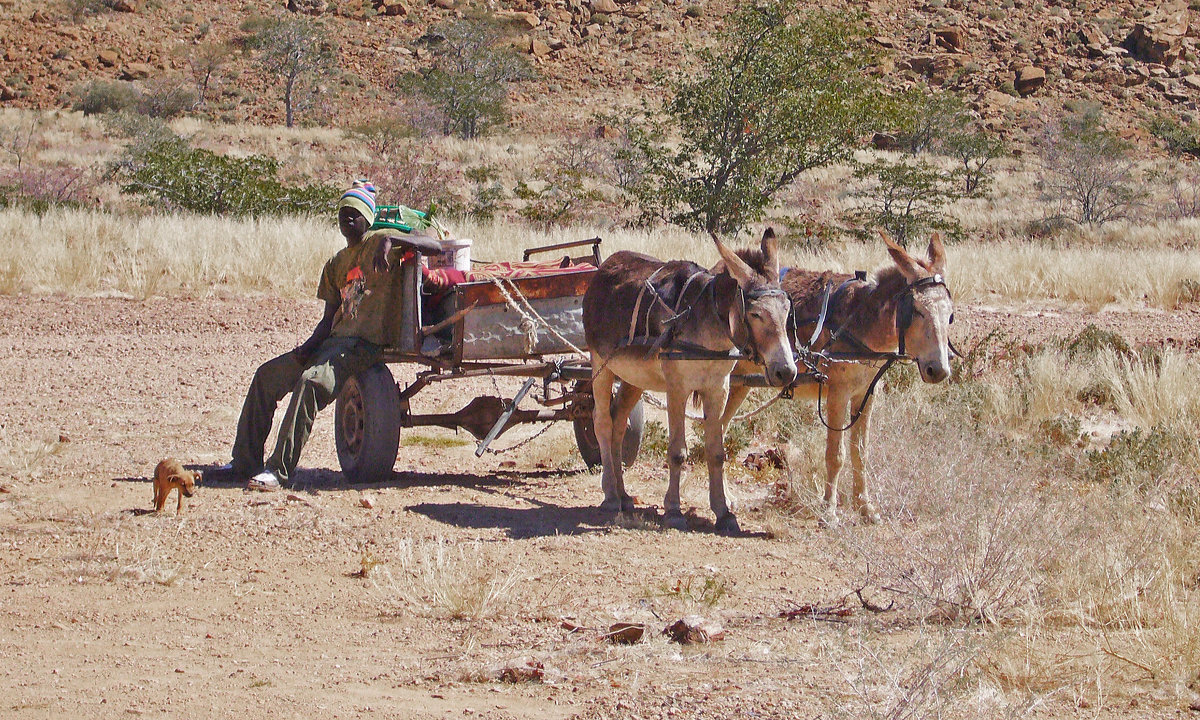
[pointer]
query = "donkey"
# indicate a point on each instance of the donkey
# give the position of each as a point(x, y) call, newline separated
point(905, 309)
point(674, 327)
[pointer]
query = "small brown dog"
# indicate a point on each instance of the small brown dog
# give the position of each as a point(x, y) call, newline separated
point(170, 475)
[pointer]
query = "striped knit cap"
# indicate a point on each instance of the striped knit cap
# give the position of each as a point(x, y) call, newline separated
point(361, 197)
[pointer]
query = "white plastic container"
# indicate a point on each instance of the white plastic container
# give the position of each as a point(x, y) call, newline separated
point(456, 253)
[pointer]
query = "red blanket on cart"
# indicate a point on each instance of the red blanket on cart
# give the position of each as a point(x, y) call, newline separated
point(440, 279)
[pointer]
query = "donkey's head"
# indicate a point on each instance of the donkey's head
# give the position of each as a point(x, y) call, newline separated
point(924, 309)
point(758, 313)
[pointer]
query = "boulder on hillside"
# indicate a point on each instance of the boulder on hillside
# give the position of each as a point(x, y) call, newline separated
point(395, 8)
point(308, 7)
point(124, 5)
point(1029, 80)
point(108, 58)
point(605, 6)
point(950, 38)
point(1159, 39)
point(537, 48)
point(137, 71)
point(1092, 39)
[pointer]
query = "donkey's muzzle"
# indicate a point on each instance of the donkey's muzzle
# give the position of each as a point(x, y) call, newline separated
point(781, 375)
point(934, 372)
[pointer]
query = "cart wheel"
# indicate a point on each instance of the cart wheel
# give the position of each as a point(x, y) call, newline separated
point(367, 425)
point(589, 447)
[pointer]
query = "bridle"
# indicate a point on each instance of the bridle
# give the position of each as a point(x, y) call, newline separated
point(905, 301)
point(749, 349)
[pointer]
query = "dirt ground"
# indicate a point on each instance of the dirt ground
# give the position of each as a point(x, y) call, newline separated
point(251, 603)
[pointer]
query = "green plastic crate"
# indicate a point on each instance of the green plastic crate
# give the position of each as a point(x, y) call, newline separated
point(398, 217)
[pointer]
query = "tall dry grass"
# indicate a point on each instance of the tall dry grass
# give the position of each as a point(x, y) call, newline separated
point(1079, 564)
point(91, 251)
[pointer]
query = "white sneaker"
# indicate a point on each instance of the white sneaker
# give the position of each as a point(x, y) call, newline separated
point(265, 481)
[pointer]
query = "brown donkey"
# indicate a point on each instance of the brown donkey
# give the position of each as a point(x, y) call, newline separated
point(674, 327)
point(904, 309)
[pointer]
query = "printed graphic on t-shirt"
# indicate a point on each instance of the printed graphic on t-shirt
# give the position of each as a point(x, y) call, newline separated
point(353, 292)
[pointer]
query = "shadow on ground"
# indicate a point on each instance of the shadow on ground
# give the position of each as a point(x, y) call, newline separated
point(520, 523)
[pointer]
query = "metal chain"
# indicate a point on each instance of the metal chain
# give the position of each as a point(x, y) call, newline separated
point(522, 443)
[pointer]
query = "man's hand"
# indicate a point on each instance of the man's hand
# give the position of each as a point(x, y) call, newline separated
point(382, 264)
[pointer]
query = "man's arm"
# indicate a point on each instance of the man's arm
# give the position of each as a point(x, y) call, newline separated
point(319, 333)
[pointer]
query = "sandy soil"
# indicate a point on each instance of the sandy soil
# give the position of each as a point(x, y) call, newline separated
point(251, 603)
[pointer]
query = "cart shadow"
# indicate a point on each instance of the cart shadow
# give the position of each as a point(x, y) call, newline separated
point(519, 523)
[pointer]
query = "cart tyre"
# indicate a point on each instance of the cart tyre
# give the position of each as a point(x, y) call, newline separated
point(589, 447)
point(367, 425)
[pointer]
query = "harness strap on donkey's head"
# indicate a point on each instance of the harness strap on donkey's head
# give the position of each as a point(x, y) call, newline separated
point(747, 348)
point(905, 301)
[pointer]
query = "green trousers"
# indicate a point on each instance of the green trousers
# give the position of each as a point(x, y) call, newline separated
point(313, 385)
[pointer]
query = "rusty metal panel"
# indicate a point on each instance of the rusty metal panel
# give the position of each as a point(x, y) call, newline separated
point(496, 331)
point(534, 288)
point(404, 322)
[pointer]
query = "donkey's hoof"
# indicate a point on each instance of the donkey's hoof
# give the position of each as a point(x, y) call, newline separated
point(866, 511)
point(675, 521)
point(612, 505)
point(828, 519)
point(727, 524)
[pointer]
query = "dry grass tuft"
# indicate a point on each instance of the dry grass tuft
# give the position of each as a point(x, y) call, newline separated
point(444, 580)
point(25, 458)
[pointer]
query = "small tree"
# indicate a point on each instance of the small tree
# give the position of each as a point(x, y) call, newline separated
point(206, 62)
point(779, 94)
point(928, 119)
point(295, 50)
point(1088, 171)
point(467, 83)
point(907, 198)
point(975, 150)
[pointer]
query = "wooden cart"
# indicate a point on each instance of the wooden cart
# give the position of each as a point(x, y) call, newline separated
point(493, 326)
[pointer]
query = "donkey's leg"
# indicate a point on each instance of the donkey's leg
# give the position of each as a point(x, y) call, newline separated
point(835, 417)
point(602, 385)
point(858, 460)
point(714, 451)
point(737, 395)
point(627, 398)
point(677, 398)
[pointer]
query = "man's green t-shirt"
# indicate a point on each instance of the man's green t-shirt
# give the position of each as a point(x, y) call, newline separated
point(367, 298)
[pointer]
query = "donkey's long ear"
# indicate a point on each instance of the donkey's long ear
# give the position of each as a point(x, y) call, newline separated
point(770, 251)
point(909, 267)
point(734, 265)
point(937, 254)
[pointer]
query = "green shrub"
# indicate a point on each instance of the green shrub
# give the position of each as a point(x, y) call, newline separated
point(468, 82)
point(1092, 340)
point(102, 96)
point(1178, 138)
point(175, 175)
point(1138, 458)
point(907, 198)
point(166, 99)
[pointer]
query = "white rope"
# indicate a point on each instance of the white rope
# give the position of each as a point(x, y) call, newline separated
point(530, 320)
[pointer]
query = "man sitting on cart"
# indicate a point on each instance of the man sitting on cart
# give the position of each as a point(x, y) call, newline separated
point(359, 289)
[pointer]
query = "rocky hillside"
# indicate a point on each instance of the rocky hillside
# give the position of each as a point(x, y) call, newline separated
point(1015, 61)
